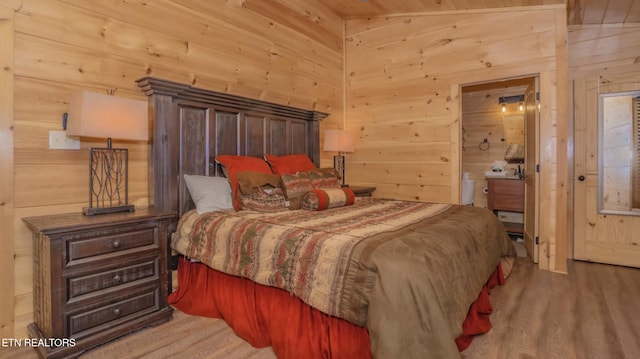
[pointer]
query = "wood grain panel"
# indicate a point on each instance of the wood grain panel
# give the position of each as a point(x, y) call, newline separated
point(299, 137)
point(416, 173)
point(412, 192)
point(578, 11)
point(6, 168)
point(304, 20)
point(227, 133)
point(594, 49)
point(256, 140)
point(193, 157)
point(247, 62)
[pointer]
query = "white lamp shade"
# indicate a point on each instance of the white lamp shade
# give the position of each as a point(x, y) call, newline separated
point(338, 141)
point(95, 115)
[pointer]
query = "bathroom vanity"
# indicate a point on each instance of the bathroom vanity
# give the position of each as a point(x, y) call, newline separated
point(507, 194)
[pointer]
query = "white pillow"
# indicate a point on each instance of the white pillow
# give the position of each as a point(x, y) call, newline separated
point(209, 193)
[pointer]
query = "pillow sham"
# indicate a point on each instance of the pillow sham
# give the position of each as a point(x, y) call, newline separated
point(235, 164)
point(209, 193)
point(289, 163)
point(324, 178)
point(265, 200)
point(324, 198)
point(295, 186)
point(251, 182)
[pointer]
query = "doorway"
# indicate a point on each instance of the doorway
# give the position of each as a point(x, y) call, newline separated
point(499, 154)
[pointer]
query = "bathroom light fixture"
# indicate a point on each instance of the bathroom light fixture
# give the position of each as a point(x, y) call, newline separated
point(521, 106)
point(504, 100)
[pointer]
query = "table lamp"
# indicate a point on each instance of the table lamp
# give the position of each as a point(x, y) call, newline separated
point(338, 141)
point(108, 116)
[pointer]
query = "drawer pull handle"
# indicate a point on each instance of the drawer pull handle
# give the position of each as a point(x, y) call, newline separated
point(115, 244)
point(116, 311)
point(117, 279)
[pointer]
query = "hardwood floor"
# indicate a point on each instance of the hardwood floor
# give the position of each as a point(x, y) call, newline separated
point(183, 337)
point(593, 312)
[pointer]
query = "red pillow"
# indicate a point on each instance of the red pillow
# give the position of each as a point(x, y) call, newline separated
point(235, 164)
point(289, 164)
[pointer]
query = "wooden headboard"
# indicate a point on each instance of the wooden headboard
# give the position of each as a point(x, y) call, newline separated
point(189, 127)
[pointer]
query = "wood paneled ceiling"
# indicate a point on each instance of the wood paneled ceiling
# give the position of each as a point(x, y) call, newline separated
point(579, 12)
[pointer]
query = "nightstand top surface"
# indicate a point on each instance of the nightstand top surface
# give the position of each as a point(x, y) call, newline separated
point(55, 222)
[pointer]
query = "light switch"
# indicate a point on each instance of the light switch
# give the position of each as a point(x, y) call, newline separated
point(58, 140)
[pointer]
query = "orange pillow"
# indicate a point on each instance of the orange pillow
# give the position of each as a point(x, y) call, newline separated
point(235, 164)
point(289, 164)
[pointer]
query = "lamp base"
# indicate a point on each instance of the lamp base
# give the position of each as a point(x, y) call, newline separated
point(338, 164)
point(90, 211)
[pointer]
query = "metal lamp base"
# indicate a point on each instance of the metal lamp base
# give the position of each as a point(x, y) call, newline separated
point(90, 211)
point(338, 164)
point(108, 181)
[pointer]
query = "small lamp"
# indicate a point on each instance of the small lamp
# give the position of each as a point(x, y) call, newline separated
point(106, 116)
point(339, 141)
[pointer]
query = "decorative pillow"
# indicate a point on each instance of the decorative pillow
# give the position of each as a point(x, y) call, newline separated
point(251, 182)
point(324, 178)
point(235, 164)
point(295, 186)
point(209, 193)
point(289, 163)
point(265, 200)
point(319, 199)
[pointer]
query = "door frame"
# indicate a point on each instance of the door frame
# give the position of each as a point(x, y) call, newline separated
point(457, 145)
point(7, 295)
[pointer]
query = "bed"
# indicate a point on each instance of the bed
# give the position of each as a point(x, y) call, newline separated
point(377, 278)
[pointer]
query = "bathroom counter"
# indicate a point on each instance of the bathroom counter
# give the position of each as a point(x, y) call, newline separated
point(501, 175)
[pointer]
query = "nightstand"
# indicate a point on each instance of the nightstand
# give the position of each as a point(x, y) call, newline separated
point(362, 191)
point(96, 278)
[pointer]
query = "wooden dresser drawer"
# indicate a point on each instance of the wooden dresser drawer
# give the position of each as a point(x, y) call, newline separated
point(97, 278)
point(88, 322)
point(80, 287)
point(89, 246)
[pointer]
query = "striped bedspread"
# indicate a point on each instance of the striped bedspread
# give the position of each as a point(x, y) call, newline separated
point(408, 271)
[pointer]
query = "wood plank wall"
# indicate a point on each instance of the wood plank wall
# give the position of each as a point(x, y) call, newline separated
point(403, 75)
point(247, 48)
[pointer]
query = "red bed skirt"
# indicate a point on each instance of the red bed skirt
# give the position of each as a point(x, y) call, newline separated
point(267, 316)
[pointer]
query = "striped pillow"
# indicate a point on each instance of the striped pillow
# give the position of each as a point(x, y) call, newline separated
point(324, 178)
point(324, 198)
point(295, 186)
point(265, 200)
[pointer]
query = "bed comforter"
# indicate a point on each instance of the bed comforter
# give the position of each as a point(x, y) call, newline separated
point(407, 271)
